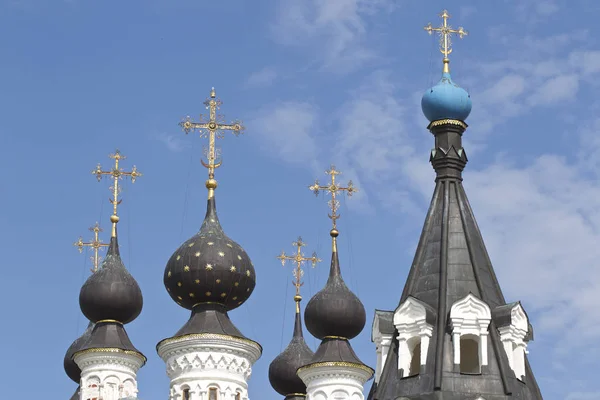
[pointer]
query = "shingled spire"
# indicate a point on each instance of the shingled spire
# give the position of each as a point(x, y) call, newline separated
point(453, 336)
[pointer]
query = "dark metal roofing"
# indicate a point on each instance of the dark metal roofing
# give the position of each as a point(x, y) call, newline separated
point(75, 395)
point(111, 293)
point(282, 370)
point(385, 320)
point(335, 310)
point(210, 318)
point(451, 261)
point(109, 335)
point(210, 267)
point(71, 368)
point(335, 350)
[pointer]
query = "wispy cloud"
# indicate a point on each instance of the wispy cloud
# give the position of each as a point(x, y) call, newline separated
point(336, 30)
point(262, 78)
point(172, 142)
point(287, 131)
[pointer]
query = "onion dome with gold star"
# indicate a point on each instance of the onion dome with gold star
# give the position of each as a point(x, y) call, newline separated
point(210, 273)
point(210, 267)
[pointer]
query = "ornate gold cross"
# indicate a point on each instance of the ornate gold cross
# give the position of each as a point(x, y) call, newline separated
point(333, 188)
point(116, 174)
point(446, 32)
point(299, 260)
point(212, 128)
point(95, 244)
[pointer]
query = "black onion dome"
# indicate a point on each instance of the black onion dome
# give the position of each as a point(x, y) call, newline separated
point(335, 310)
point(210, 267)
point(111, 293)
point(73, 371)
point(282, 371)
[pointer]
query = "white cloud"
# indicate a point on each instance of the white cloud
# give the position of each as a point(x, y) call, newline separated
point(262, 78)
point(583, 396)
point(173, 142)
point(335, 30)
point(586, 61)
point(557, 89)
point(287, 131)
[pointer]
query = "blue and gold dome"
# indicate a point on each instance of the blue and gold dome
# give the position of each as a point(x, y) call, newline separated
point(446, 100)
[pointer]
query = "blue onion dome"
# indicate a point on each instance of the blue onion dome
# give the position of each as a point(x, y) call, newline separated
point(111, 294)
point(446, 100)
point(71, 368)
point(335, 311)
point(210, 268)
point(282, 371)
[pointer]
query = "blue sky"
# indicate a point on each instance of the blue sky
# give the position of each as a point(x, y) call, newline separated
point(314, 84)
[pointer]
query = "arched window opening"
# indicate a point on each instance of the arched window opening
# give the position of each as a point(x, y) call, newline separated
point(469, 355)
point(212, 394)
point(186, 394)
point(415, 361)
point(238, 396)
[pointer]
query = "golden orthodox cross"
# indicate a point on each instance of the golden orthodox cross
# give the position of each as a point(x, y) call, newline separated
point(116, 174)
point(213, 128)
point(333, 188)
point(446, 32)
point(95, 244)
point(299, 260)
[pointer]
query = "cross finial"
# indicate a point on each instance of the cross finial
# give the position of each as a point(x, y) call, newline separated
point(298, 272)
point(213, 128)
point(446, 32)
point(116, 174)
point(333, 188)
point(96, 245)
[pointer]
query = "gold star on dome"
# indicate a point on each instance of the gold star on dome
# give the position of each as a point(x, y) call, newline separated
point(197, 254)
point(209, 267)
point(221, 254)
point(233, 268)
point(186, 268)
point(247, 273)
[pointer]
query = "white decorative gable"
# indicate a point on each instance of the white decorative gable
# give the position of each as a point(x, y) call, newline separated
point(512, 335)
point(414, 332)
point(470, 318)
point(382, 337)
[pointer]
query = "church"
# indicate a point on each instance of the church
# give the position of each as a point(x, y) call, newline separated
point(452, 335)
